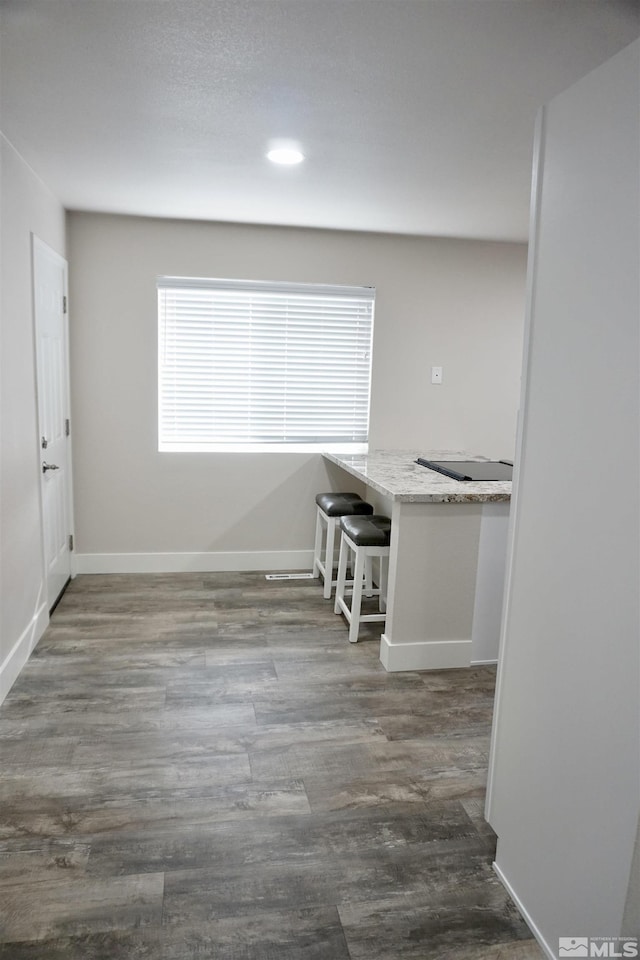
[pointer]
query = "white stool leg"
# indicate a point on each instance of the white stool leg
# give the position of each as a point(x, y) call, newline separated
point(356, 598)
point(318, 543)
point(384, 582)
point(328, 557)
point(368, 576)
point(342, 575)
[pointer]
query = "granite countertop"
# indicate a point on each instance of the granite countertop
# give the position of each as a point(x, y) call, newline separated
point(394, 474)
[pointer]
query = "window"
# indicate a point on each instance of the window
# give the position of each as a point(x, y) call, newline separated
point(251, 365)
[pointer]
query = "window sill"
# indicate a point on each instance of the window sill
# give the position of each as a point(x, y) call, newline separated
point(263, 448)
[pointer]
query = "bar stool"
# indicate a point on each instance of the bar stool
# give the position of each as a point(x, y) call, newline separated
point(330, 508)
point(367, 537)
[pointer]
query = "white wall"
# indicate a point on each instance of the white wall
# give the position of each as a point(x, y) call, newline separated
point(455, 303)
point(564, 786)
point(27, 206)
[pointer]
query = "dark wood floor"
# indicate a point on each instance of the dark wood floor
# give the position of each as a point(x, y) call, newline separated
point(201, 766)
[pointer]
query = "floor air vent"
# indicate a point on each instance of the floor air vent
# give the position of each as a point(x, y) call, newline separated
point(289, 576)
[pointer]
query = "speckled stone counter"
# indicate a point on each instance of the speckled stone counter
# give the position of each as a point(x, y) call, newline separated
point(447, 557)
point(394, 474)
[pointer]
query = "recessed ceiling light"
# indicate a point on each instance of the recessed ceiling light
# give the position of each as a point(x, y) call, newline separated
point(285, 155)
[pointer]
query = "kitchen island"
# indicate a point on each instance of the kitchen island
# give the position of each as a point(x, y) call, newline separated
point(447, 558)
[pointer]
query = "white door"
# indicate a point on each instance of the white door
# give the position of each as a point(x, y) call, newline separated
point(51, 332)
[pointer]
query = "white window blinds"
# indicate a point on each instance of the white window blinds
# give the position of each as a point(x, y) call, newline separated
point(244, 363)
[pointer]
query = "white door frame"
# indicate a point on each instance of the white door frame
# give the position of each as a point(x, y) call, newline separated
point(40, 248)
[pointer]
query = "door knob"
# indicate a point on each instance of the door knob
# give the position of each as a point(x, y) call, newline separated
point(49, 466)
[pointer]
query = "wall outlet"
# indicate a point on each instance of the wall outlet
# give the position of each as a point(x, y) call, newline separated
point(436, 374)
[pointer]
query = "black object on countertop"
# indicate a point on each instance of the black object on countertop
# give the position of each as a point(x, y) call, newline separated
point(480, 470)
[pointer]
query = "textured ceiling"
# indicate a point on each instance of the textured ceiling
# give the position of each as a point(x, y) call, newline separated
point(416, 116)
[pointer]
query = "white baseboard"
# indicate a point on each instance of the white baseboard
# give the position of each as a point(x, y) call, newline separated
point(483, 663)
point(21, 650)
point(552, 954)
point(424, 655)
point(193, 562)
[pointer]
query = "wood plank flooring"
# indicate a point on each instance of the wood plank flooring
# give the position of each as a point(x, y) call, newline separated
point(202, 766)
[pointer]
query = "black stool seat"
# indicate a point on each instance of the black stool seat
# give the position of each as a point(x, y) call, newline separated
point(373, 531)
point(343, 504)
